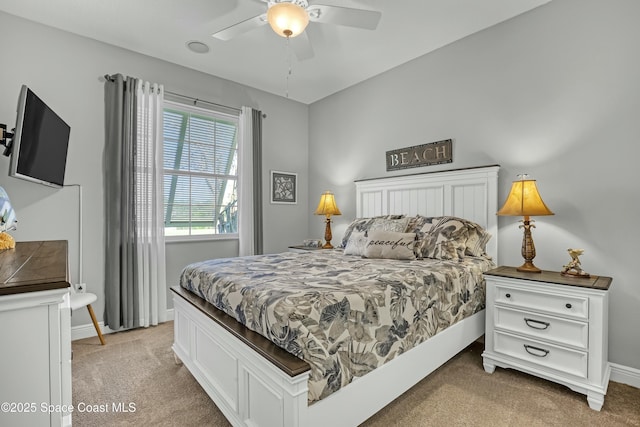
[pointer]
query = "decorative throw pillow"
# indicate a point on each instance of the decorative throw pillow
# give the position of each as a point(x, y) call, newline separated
point(390, 245)
point(477, 237)
point(386, 224)
point(443, 238)
point(477, 241)
point(415, 223)
point(363, 224)
point(421, 225)
point(358, 224)
point(356, 244)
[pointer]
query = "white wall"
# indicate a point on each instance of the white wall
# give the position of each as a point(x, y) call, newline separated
point(65, 70)
point(554, 93)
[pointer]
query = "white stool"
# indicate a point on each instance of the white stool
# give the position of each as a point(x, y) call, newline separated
point(78, 300)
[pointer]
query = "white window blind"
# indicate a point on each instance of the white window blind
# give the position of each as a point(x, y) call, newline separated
point(200, 172)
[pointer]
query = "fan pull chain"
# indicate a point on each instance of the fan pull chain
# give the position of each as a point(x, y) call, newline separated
point(289, 66)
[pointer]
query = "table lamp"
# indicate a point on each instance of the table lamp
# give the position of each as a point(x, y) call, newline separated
point(327, 207)
point(524, 200)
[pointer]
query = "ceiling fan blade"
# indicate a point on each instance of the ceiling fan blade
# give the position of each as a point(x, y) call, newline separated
point(301, 46)
point(360, 18)
point(241, 27)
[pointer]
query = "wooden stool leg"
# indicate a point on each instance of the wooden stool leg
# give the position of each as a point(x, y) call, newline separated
point(95, 323)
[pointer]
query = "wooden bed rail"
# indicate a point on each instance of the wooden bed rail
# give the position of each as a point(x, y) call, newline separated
point(287, 362)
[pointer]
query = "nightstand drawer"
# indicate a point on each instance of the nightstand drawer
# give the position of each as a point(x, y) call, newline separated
point(565, 305)
point(535, 325)
point(561, 359)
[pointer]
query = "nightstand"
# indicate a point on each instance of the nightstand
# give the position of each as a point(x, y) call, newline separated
point(551, 326)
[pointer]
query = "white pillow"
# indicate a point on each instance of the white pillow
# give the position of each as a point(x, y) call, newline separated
point(390, 245)
point(356, 243)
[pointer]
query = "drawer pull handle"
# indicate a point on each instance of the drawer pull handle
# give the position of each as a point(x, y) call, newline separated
point(529, 322)
point(530, 347)
point(508, 295)
point(568, 305)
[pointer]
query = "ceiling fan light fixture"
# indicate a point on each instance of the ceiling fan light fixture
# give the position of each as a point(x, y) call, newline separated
point(287, 19)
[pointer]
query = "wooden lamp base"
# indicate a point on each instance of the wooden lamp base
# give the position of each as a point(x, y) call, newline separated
point(528, 267)
point(327, 234)
point(528, 248)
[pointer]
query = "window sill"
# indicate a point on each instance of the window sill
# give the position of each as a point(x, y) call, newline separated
point(193, 239)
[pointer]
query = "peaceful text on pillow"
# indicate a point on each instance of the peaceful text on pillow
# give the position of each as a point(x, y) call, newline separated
point(390, 245)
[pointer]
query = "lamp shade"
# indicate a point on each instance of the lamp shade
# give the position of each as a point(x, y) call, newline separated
point(524, 200)
point(287, 19)
point(327, 205)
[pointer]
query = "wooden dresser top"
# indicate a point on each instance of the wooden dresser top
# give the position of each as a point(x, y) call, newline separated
point(34, 266)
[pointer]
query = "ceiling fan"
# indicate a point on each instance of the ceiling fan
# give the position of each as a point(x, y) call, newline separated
point(289, 18)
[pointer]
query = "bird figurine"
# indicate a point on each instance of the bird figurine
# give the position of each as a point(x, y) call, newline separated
point(574, 268)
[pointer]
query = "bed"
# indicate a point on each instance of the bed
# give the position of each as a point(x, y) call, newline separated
point(256, 383)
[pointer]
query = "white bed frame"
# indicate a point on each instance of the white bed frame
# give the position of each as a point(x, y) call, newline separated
point(252, 391)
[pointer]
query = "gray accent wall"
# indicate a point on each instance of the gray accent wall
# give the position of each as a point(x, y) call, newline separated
point(554, 93)
point(65, 71)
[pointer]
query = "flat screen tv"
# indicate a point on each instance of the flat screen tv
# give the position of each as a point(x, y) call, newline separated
point(40, 142)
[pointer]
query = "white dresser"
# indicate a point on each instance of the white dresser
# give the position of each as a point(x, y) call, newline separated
point(35, 335)
point(551, 326)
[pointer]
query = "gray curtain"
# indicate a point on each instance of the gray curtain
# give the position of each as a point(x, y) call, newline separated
point(121, 296)
point(256, 119)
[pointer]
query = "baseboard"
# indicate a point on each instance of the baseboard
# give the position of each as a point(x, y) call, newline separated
point(625, 375)
point(87, 331)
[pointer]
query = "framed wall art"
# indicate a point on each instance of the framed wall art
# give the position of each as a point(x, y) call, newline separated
point(284, 187)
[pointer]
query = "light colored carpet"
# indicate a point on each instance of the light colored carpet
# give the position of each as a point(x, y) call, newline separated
point(137, 368)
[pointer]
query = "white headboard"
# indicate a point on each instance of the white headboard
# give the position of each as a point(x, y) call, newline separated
point(466, 193)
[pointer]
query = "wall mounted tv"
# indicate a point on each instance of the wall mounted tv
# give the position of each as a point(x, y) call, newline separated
point(40, 142)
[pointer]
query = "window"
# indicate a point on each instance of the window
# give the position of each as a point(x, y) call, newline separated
point(200, 172)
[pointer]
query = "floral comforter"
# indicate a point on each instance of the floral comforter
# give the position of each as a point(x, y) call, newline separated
point(342, 314)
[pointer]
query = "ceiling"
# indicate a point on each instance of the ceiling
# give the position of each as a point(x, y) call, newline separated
point(343, 56)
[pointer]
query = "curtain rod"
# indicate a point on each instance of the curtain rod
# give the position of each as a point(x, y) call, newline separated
point(195, 100)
